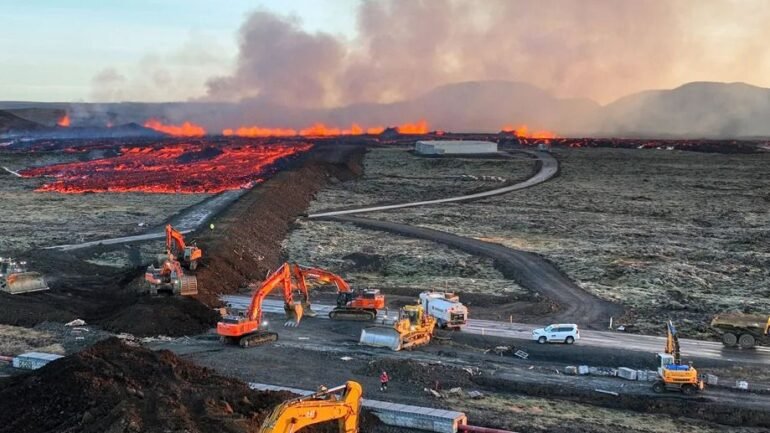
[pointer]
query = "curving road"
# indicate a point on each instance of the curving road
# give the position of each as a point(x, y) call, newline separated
point(549, 167)
point(529, 270)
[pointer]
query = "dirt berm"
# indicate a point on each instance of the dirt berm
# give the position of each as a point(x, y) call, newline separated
point(243, 247)
point(245, 244)
point(113, 387)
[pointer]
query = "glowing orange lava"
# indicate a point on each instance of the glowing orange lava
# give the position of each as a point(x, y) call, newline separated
point(186, 168)
point(321, 130)
point(64, 121)
point(420, 127)
point(187, 129)
point(522, 131)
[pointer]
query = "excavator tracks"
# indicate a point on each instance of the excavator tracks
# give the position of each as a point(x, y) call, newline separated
point(258, 339)
point(357, 314)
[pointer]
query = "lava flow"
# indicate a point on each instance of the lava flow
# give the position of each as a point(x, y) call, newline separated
point(187, 129)
point(522, 131)
point(321, 130)
point(64, 121)
point(186, 168)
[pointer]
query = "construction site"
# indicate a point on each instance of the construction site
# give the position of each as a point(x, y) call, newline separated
point(267, 284)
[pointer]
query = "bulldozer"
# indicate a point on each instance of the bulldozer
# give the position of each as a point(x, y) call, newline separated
point(15, 279)
point(342, 403)
point(672, 374)
point(169, 277)
point(413, 328)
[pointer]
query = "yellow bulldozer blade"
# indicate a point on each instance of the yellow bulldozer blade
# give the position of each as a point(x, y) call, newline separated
point(294, 314)
point(23, 282)
point(381, 337)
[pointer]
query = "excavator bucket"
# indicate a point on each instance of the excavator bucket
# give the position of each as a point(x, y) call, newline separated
point(23, 282)
point(294, 314)
point(187, 285)
point(307, 311)
point(381, 337)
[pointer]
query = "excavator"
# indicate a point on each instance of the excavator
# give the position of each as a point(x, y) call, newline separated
point(672, 375)
point(15, 279)
point(248, 329)
point(187, 254)
point(170, 277)
point(412, 328)
point(351, 305)
point(342, 403)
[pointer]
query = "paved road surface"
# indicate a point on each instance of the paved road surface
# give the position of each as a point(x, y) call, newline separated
point(643, 343)
point(190, 219)
point(548, 169)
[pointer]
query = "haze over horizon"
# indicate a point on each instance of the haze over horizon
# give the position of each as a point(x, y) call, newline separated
point(310, 54)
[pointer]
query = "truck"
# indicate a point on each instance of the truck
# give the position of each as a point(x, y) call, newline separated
point(446, 308)
point(742, 330)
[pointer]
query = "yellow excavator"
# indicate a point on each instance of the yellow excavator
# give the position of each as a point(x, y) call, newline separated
point(672, 375)
point(413, 328)
point(342, 403)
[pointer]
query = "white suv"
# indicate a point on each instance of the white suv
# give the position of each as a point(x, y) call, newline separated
point(559, 333)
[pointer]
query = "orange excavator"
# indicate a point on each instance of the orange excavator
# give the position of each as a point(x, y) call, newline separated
point(342, 403)
point(351, 305)
point(187, 254)
point(248, 329)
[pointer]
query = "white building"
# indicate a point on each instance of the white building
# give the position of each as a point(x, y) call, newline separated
point(454, 147)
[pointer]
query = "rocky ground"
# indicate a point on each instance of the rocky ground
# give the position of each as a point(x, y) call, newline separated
point(669, 234)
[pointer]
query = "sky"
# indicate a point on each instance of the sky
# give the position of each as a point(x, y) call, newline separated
point(50, 50)
point(322, 53)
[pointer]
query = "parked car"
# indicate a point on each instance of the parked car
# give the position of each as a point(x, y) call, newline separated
point(557, 333)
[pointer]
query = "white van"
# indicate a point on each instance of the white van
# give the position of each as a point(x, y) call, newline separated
point(557, 333)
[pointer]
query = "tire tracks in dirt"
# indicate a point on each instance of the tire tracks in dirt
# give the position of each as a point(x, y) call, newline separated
point(529, 270)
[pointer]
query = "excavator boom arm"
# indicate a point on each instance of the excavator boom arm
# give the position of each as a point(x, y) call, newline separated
point(293, 415)
point(174, 238)
point(672, 343)
point(326, 277)
point(282, 277)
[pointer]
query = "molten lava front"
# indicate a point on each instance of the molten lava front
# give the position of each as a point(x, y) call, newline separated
point(170, 168)
point(187, 129)
point(522, 131)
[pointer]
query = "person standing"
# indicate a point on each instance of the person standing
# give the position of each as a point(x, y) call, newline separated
point(384, 381)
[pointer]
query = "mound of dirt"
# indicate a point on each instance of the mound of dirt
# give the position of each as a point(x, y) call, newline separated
point(170, 316)
point(246, 243)
point(113, 387)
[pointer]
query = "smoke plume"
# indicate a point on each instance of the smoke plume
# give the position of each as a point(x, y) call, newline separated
point(600, 49)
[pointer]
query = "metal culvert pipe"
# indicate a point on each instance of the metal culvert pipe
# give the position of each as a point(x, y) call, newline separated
point(476, 429)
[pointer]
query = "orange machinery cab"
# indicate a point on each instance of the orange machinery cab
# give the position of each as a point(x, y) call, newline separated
point(236, 326)
point(369, 299)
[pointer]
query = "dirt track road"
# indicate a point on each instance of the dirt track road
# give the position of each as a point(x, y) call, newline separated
point(528, 270)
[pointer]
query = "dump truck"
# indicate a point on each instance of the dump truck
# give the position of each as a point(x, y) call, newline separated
point(413, 328)
point(742, 330)
point(15, 279)
point(446, 308)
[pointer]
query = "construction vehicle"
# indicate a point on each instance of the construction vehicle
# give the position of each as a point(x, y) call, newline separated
point(742, 330)
point(15, 279)
point(673, 376)
point(413, 328)
point(169, 277)
point(351, 304)
point(248, 329)
point(446, 308)
point(188, 255)
point(342, 403)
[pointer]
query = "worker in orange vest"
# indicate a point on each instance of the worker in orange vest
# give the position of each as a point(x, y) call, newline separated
point(384, 381)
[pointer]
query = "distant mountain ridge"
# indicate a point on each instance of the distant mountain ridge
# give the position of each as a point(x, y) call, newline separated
point(698, 110)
